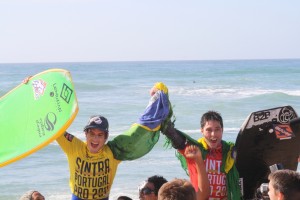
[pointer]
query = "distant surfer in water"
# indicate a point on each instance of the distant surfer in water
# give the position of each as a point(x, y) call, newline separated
point(93, 164)
point(218, 155)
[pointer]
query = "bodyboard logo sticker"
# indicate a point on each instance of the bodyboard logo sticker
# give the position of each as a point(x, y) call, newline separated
point(283, 131)
point(66, 93)
point(260, 116)
point(57, 99)
point(48, 124)
point(286, 115)
point(39, 87)
point(50, 121)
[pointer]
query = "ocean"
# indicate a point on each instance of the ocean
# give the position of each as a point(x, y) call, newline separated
point(120, 91)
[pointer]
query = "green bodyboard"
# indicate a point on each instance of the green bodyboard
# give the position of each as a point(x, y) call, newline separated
point(35, 113)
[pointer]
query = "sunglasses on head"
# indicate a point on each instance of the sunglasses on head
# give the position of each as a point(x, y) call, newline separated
point(146, 191)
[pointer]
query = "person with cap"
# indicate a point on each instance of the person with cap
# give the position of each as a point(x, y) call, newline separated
point(93, 164)
point(32, 195)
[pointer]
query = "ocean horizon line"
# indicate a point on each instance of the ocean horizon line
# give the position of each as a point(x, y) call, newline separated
point(151, 61)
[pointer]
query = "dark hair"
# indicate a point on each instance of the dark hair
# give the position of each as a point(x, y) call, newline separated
point(287, 182)
point(211, 116)
point(177, 189)
point(157, 181)
point(124, 198)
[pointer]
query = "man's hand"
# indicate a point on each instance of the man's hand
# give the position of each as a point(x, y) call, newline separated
point(158, 86)
point(193, 152)
point(153, 90)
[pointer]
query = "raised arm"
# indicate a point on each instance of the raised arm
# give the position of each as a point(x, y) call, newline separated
point(143, 135)
point(193, 153)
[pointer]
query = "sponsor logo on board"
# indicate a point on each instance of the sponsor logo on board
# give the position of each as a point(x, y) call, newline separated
point(286, 115)
point(48, 124)
point(50, 121)
point(66, 93)
point(283, 131)
point(262, 115)
point(39, 87)
point(56, 96)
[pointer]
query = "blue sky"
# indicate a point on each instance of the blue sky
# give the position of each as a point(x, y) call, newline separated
point(140, 30)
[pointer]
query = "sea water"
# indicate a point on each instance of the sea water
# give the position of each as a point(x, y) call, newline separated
point(120, 91)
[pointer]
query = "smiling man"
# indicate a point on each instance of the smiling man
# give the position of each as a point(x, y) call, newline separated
point(93, 164)
point(217, 154)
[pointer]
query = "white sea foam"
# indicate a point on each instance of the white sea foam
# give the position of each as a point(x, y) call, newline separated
point(229, 92)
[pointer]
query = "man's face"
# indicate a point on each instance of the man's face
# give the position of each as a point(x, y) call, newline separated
point(147, 192)
point(212, 132)
point(273, 194)
point(95, 139)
